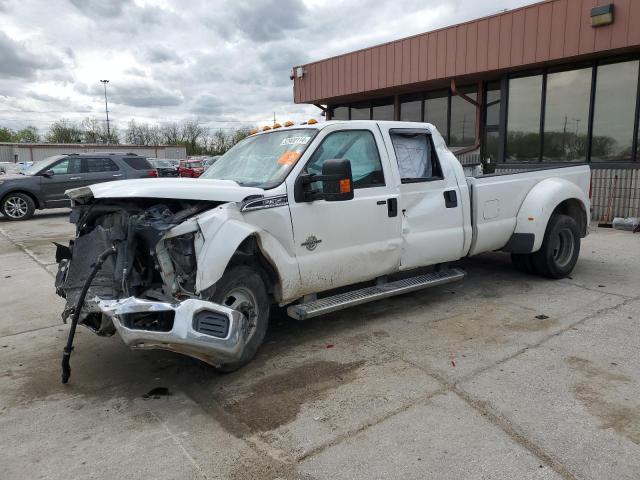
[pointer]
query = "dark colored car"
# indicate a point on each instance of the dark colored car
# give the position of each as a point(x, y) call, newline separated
point(165, 168)
point(43, 184)
point(191, 168)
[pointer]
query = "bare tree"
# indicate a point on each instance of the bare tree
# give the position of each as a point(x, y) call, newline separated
point(64, 131)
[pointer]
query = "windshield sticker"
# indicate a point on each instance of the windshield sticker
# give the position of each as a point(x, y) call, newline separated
point(295, 141)
point(289, 158)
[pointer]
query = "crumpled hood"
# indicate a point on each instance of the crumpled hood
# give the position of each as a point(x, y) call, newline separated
point(176, 188)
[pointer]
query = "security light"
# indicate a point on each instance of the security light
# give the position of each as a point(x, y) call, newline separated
point(602, 15)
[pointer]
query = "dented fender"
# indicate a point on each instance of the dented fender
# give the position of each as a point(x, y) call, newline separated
point(219, 234)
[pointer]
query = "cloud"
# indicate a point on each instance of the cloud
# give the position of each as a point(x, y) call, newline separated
point(16, 61)
point(215, 60)
point(162, 54)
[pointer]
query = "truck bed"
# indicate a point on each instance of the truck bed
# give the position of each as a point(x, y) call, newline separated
point(496, 200)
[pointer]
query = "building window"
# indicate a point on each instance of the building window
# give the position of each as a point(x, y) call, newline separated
point(411, 109)
point(361, 111)
point(340, 113)
point(382, 111)
point(462, 131)
point(566, 119)
point(436, 111)
point(523, 119)
point(614, 111)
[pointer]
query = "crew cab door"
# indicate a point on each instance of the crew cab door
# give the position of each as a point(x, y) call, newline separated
point(430, 205)
point(67, 174)
point(345, 242)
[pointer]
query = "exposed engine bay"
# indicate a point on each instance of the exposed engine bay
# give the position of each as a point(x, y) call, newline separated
point(143, 266)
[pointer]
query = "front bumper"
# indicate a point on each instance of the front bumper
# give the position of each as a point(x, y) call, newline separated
point(183, 336)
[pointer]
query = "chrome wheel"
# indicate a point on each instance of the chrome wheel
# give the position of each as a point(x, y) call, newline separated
point(562, 247)
point(16, 207)
point(244, 301)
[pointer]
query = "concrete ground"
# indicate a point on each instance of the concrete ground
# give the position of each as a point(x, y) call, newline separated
point(501, 376)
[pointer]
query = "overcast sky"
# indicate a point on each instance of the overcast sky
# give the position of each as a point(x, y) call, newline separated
point(222, 62)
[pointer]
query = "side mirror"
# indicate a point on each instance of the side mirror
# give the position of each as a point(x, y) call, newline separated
point(48, 173)
point(337, 183)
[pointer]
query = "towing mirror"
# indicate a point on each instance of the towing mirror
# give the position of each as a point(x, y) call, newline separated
point(336, 183)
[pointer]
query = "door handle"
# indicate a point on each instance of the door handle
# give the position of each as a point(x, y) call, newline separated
point(450, 199)
point(392, 207)
point(75, 178)
point(117, 174)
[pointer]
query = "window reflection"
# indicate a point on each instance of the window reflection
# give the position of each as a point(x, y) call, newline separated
point(436, 108)
point(566, 120)
point(340, 113)
point(523, 119)
point(360, 111)
point(411, 110)
point(463, 118)
point(382, 112)
point(614, 111)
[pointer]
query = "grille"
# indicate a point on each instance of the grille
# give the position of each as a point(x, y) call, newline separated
point(211, 323)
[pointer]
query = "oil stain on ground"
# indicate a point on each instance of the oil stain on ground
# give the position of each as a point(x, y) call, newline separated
point(595, 391)
point(276, 399)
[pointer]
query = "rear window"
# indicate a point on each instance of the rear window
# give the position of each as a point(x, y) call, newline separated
point(138, 163)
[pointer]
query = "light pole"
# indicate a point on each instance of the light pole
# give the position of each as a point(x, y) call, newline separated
point(106, 109)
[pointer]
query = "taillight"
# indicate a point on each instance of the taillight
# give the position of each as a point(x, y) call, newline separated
point(153, 173)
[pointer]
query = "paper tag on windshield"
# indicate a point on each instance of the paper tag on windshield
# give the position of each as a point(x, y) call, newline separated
point(289, 158)
point(295, 141)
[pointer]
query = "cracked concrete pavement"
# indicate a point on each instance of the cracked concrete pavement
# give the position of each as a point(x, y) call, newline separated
point(501, 376)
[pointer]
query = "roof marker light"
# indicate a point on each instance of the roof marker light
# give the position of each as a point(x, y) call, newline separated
point(276, 125)
point(265, 128)
point(312, 121)
point(288, 123)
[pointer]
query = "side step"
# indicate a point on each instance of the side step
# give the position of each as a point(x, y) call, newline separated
point(302, 311)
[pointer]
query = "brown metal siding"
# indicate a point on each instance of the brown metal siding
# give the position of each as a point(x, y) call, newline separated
point(531, 35)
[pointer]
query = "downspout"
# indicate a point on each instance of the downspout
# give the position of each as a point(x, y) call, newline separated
point(478, 105)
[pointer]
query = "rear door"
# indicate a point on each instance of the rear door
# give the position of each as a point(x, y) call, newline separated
point(67, 174)
point(429, 203)
point(345, 242)
point(98, 170)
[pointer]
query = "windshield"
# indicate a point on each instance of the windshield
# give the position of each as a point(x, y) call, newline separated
point(262, 160)
point(162, 163)
point(42, 164)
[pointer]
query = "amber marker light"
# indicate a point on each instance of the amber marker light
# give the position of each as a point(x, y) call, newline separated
point(312, 121)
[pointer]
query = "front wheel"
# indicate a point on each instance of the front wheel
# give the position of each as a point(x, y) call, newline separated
point(241, 288)
point(18, 206)
point(560, 248)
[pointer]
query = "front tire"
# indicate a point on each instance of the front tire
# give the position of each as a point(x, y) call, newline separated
point(242, 288)
point(560, 248)
point(18, 206)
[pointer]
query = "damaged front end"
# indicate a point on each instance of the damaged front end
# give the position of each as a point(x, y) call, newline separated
point(145, 290)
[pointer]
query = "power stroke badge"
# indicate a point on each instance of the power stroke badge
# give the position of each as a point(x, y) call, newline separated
point(311, 243)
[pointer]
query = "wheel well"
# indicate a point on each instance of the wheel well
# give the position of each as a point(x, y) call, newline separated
point(574, 209)
point(24, 192)
point(249, 253)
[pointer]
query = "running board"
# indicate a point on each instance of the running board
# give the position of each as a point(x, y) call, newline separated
point(302, 311)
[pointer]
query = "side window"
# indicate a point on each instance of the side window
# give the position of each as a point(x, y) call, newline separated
point(96, 165)
point(358, 146)
point(417, 159)
point(67, 166)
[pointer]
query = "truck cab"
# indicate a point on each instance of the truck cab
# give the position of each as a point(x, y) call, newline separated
point(314, 218)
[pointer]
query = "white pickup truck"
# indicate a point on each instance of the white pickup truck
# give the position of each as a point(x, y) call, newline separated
point(313, 217)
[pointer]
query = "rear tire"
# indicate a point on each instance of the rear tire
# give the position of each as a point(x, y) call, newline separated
point(242, 288)
point(560, 248)
point(18, 206)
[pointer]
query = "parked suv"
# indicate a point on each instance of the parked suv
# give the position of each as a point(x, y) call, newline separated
point(192, 168)
point(43, 184)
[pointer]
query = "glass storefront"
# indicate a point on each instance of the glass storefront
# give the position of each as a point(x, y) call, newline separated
point(463, 118)
point(436, 111)
point(523, 119)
